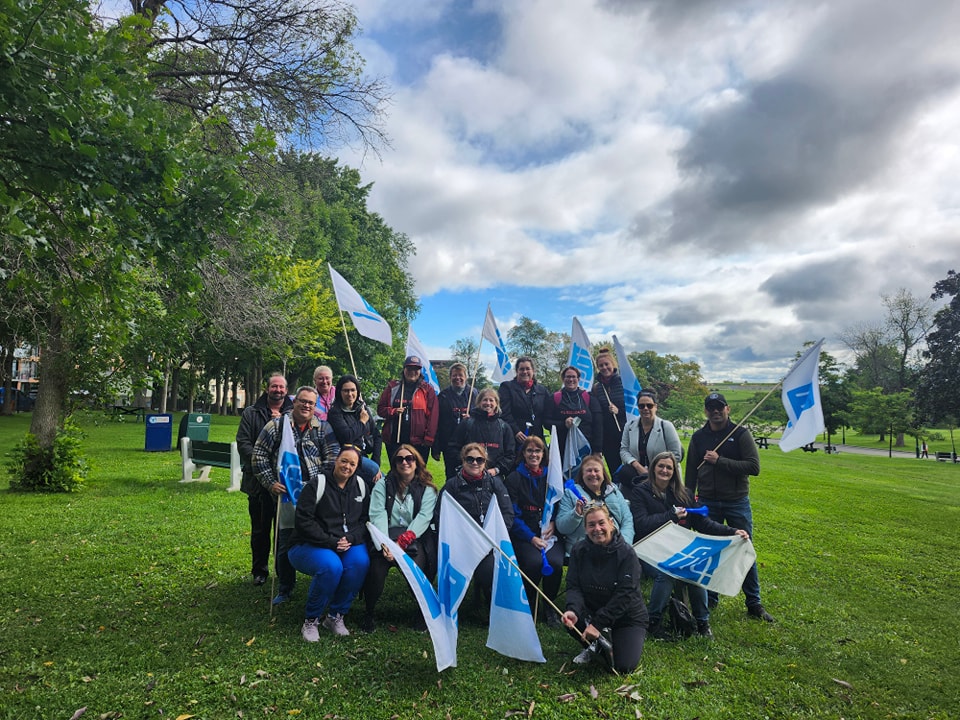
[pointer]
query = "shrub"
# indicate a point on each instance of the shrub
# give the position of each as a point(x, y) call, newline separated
point(61, 468)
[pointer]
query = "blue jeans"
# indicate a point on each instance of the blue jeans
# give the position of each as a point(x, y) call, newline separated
point(336, 576)
point(738, 514)
point(663, 589)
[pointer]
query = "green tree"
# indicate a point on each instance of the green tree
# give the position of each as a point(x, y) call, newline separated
point(548, 349)
point(873, 411)
point(679, 385)
point(939, 387)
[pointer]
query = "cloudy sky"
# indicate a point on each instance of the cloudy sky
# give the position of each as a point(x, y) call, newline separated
point(719, 180)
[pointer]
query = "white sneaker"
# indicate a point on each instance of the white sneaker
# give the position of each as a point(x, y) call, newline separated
point(334, 623)
point(311, 630)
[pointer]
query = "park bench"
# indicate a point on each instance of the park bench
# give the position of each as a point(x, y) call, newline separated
point(831, 449)
point(945, 457)
point(809, 448)
point(118, 411)
point(762, 442)
point(201, 455)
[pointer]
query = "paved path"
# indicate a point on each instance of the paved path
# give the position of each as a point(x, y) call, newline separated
point(857, 450)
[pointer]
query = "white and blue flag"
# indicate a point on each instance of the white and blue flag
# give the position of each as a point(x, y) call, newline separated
point(631, 386)
point(801, 400)
point(366, 320)
point(512, 631)
point(715, 562)
point(415, 347)
point(288, 462)
point(580, 356)
point(554, 480)
point(504, 370)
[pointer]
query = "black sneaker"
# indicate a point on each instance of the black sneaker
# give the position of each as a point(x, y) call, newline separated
point(368, 624)
point(759, 613)
point(703, 629)
point(419, 624)
point(259, 580)
point(657, 631)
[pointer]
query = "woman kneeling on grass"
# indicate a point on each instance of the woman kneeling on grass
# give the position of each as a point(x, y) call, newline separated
point(401, 506)
point(329, 543)
point(604, 603)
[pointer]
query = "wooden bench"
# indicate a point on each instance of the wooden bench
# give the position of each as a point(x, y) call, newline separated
point(945, 457)
point(762, 442)
point(199, 455)
point(118, 411)
point(809, 448)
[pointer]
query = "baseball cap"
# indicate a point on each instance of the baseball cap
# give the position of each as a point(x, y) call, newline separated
point(412, 361)
point(714, 399)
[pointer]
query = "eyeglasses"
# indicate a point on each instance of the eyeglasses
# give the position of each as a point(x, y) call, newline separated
point(645, 406)
point(306, 403)
point(405, 459)
point(474, 460)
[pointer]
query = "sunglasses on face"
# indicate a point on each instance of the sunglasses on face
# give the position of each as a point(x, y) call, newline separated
point(405, 459)
point(645, 405)
point(474, 460)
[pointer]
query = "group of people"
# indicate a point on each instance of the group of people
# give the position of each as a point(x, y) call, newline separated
point(492, 446)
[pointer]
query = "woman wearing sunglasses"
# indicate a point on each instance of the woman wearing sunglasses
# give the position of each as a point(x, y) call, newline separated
point(473, 487)
point(401, 506)
point(643, 438)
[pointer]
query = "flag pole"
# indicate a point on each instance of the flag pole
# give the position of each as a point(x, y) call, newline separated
point(605, 392)
point(400, 414)
point(476, 371)
point(347, 338)
point(276, 549)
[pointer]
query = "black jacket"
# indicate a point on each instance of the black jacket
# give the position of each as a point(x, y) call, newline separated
point(518, 407)
point(614, 389)
point(573, 404)
point(252, 421)
point(335, 514)
point(650, 512)
point(729, 478)
point(494, 434)
point(474, 496)
point(450, 405)
point(603, 584)
point(350, 431)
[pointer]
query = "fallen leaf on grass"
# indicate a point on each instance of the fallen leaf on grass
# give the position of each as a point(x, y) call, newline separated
point(696, 683)
point(530, 709)
point(87, 679)
point(567, 697)
point(293, 712)
point(630, 692)
point(210, 585)
point(250, 641)
point(843, 683)
point(263, 674)
point(78, 713)
point(243, 679)
point(593, 692)
point(184, 717)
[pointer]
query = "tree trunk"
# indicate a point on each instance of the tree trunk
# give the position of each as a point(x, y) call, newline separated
point(56, 363)
point(9, 402)
point(900, 440)
point(174, 401)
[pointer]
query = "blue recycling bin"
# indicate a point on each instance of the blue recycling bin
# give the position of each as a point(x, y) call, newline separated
point(159, 432)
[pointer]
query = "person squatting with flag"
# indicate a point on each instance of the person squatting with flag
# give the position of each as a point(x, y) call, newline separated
point(485, 426)
point(659, 499)
point(290, 449)
point(329, 543)
point(721, 458)
point(540, 552)
point(604, 602)
point(473, 487)
point(401, 507)
point(408, 407)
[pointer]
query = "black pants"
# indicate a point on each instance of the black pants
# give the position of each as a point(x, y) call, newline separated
point(627, 644)
point(530, 560)
point(286, 573)
point(451, 461)
point(377, 575)
point(262, 507)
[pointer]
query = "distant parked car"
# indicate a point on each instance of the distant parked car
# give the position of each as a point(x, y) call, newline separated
point(23, 402)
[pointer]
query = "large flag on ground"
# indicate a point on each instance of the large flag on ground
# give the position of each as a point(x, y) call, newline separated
point(415, 347)
point(288, 462)
point(801, 400)
point(512, 632)
point(423, 591)
point(504, 369)
point(366, 320)
point(580, 356)
point(631, 386)
point(717, 563)
point(554, 480)
point(462, 545)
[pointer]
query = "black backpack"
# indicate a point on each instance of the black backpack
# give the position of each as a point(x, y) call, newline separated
point(682, 622)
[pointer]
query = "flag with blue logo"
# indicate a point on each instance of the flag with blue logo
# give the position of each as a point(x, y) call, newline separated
point(801, 400)
point(631, 386)
point(511, 632)
point(580, 356)
point(554, 480)
point(366, 320)
point(427, 597)
point(715, 562)
point(415, 347)
point(462, 545)
point(288, 462)
point(504, 369)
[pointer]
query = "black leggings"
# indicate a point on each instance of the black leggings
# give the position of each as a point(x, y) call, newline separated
point(377, 576)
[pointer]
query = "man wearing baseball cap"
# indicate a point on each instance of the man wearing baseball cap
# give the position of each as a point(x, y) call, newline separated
point(720, 460)
point(408, 407)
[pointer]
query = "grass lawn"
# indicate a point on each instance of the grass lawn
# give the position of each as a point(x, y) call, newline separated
point(133, 599)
